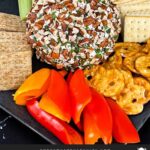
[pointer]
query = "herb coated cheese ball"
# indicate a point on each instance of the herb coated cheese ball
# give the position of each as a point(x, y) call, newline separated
point(73, 34)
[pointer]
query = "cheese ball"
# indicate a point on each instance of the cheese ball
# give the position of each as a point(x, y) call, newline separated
point(71, 34)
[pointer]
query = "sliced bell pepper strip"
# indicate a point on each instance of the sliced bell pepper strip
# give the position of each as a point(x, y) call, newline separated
point(34, 86)
point(123, 129)
point(99, 110)
point(63, 131)
point(91, 131)
point(69, 77)
point(80, 94)
point(80, 126)
point(57, 100)
point(63, 72)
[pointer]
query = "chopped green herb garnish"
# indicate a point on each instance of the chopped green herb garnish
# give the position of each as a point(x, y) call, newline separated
point(86, 45)
point(105, 49)
point(46, 28)
point(67, 28)
point(116, 37)
point(77, 49)
point(87, 28)
point(98, 52)
point(54, 15)
point(102, 1)
point(107, 29)
point(44, 46)
point(87, 1)
point(34, 38)
point(79, 12)
point(40, 16)
point(59, 39)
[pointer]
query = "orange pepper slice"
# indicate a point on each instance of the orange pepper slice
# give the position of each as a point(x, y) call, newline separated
point(57, 100)
point(33, 87)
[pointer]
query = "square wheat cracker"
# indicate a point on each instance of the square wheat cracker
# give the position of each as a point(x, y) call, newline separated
point(15, 68)
point(10, 22)
point(136, 28)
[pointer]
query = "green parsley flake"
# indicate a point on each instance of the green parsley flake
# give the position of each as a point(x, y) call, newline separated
point(54, 15)
point(87, 1)
point(98, 52)
point(87, 28)
point(34, 38)
point(46, 28)
point(115, 37)
point(107, 29)
point(102, 1)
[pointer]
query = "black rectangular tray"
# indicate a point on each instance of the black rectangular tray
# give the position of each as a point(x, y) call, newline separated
point(21, 114)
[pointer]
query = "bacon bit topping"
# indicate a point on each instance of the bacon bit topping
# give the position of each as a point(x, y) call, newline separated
point(89, 20)
point(84, 41)
point(48, 17)
point(65, 53)
point(59, 66)
point(39, 24)
point(53, 42)
point(104, 22)
point(54, 55)
point(32, 17)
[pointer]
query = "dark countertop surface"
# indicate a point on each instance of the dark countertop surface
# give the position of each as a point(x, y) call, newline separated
point(12, 131)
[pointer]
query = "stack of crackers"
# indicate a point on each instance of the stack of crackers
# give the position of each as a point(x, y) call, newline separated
point(15, 53)
point(135, 19)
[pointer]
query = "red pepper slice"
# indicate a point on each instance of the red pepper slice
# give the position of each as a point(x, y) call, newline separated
point(57, 100)
point(63, 72)
point(69, 77)
point(80, 124)
point(123, 129)
point(63, 131)
point(91, 131)
point(80, 94)
point(98, 114)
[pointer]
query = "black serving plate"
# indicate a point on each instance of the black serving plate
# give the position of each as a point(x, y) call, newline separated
point(22, 115)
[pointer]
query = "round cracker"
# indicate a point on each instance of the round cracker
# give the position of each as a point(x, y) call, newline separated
point(146, 85)
point(129, 62)
point(142, 65)
point(112, 83)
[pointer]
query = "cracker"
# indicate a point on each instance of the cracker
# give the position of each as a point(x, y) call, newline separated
point(15, 68)
point(13, 37)
point(120, 1)
point(136, 7)
point(10, 22)
point(124, 2)
point(136, 29)
point(145, 12)
point(10, 47)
